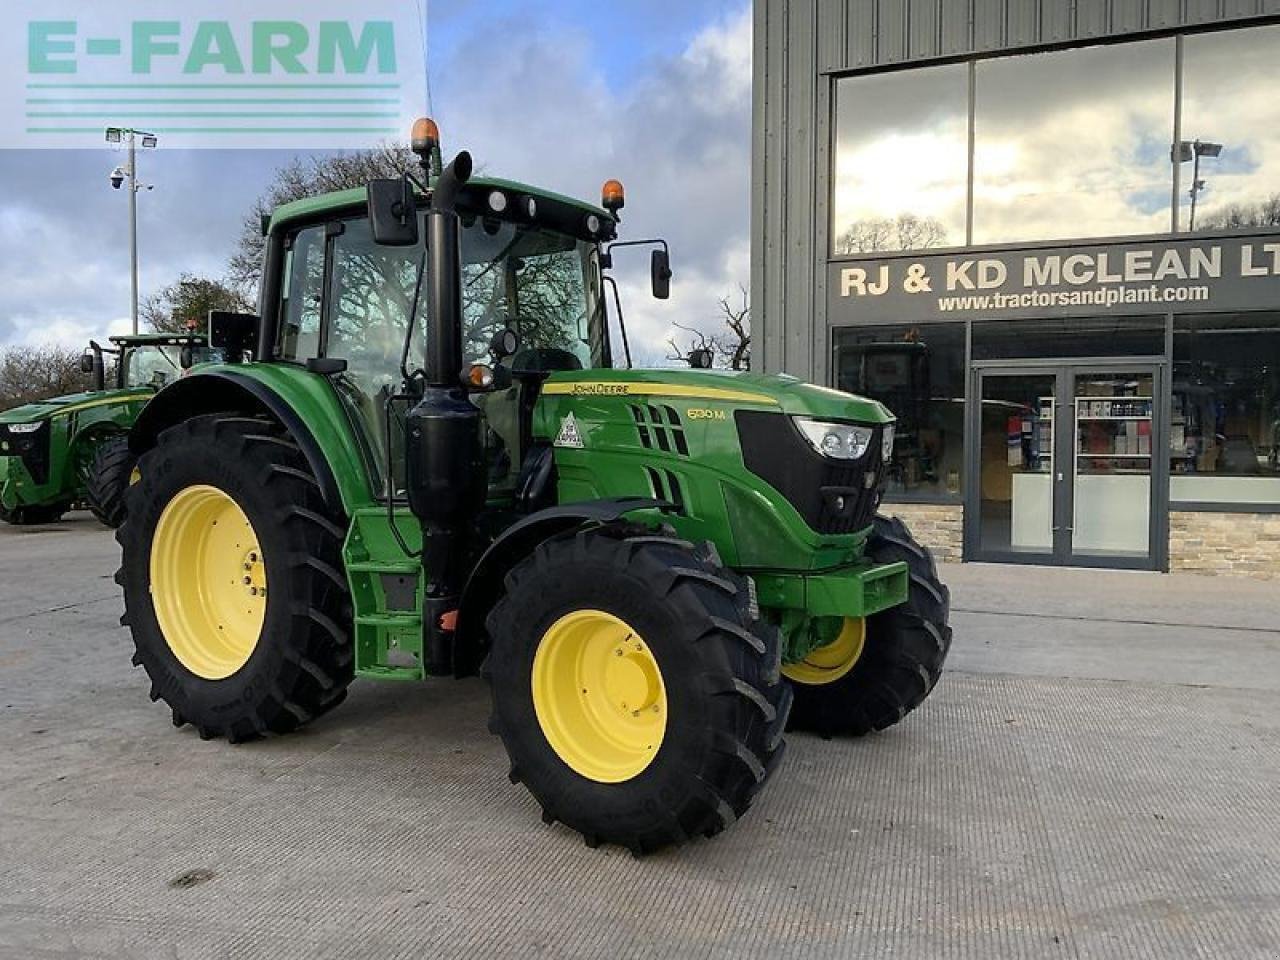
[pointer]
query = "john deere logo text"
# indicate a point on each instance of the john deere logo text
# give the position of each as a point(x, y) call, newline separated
point(601, 389)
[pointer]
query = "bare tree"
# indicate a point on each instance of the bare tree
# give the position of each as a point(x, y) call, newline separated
point(1265, 213)
point(907, 231)
point(309, 178)
point(736, 346)
point(730, 347)
point(28, 374)
point(185, 304)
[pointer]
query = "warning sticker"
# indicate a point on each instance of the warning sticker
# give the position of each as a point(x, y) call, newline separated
point(569, 435)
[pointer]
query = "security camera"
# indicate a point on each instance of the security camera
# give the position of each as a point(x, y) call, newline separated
point(117, 178)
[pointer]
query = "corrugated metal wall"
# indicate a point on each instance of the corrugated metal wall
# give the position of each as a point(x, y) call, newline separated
point(798, 41)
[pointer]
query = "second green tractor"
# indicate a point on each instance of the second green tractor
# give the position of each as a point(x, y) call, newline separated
point(74, 449)
point(435, 460)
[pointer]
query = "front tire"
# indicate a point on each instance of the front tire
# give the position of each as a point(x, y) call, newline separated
point(637, 698)
point(897, 660)
point(108, 480)
point(34, 516)
point(227, 509)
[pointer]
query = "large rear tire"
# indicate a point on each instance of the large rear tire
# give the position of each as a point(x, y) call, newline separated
point(896, 662)
point(226, 508)
point(108, 479)
point(638, 699)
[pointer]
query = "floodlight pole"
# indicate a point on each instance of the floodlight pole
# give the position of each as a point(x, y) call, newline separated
point(133, 229)
point(130, 179)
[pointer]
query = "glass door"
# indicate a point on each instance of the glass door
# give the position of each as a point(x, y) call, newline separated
point(1017, 463)
point(1113, 470)
point(1062, 468)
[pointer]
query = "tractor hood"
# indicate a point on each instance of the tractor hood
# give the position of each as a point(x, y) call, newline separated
point(782, 392)
point(43, 409)
point(72, 403)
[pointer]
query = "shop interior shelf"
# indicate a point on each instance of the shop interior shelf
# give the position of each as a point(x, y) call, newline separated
point(1114, 456)
point(1082, 419)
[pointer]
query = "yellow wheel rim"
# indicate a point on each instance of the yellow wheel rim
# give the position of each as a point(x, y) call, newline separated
point(829, 663)
point(208, 582)
point(599, 696)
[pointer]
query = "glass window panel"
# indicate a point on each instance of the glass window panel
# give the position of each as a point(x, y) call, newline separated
point(901, 164)
point(301, 296)
point(371, 299)
point(918, 373)
point(1016, 463)
point(1069, 337)
point(1229, 98)
point(1224, 436)
point(1074, 143)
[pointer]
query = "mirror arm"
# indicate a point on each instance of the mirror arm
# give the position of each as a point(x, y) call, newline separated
point(658, 242)
point(622, 326)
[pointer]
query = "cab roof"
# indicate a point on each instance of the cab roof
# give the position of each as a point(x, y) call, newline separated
point(347, 200)
point(159, 339)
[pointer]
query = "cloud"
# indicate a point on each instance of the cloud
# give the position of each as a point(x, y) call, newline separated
point(537, 97)
point(64, 254)
point(678, 136)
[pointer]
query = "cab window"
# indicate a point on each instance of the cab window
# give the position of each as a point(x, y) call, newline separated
point(151, 366)
point(302, 295)
point(371, 298)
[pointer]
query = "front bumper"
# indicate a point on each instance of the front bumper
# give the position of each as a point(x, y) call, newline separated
point(860, 590)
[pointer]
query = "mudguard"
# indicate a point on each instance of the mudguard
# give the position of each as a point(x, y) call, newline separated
point(301, 402)
point(485, 584)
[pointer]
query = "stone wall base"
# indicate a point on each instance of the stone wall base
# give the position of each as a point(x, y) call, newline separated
point(1215, 544)
point(1230, 544)
point(940, 527)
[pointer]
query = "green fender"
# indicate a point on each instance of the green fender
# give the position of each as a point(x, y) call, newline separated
point(304, 403)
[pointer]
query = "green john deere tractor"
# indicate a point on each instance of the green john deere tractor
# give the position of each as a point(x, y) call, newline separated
point(438, 462)
point(71, 449)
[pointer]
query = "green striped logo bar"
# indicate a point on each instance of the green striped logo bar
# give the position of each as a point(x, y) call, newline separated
point(276, 74)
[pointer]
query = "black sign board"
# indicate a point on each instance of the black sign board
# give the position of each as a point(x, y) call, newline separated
point(1185, 276)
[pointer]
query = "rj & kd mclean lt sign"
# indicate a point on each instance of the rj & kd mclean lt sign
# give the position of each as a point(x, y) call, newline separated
point(1239, 273)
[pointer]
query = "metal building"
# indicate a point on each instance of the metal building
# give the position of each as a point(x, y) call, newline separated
point(1047, 233)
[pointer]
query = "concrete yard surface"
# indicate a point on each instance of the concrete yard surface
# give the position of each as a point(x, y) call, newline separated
point(1096, 776)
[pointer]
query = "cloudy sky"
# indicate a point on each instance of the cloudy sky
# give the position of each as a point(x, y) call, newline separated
point(562, 93)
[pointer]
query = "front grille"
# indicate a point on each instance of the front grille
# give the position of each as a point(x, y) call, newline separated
point(833, 496)
point(31, 448)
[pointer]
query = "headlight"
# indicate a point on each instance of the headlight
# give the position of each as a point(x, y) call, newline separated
point(839, 441)
point(886, 443)
point(24, 427)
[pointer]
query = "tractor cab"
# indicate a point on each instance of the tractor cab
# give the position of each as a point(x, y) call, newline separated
point(530, 300)
point(146, 361)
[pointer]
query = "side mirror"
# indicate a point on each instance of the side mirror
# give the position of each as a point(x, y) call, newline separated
point(86, 362)
point(701, 358)
point(393, 215)
point(186, 357)
point(505, 343)
point(660, 274)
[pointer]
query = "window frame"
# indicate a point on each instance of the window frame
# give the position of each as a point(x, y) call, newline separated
point(1209, 506)
point(1179, 34)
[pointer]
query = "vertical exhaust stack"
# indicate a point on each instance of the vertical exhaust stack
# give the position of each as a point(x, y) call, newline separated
point(446, 477)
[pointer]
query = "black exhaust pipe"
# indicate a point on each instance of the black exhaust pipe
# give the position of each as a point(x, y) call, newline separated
point(445, 471)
